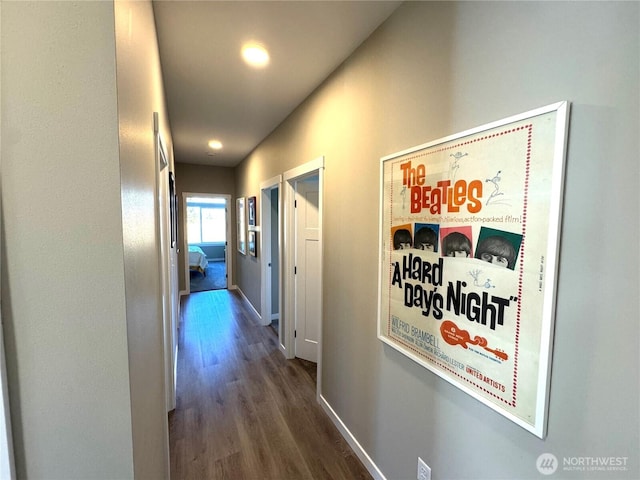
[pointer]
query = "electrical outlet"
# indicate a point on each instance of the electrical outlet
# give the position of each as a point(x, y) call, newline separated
point(424, 472)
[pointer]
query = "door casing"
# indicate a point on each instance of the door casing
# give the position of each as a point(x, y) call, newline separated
point(266, 234)
point(167, 289)
point(308, 267)
point(290, 178)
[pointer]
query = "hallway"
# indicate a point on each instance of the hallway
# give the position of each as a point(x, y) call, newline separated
point(244, 411)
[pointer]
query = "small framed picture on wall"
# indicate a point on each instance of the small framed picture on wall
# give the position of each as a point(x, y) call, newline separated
point(251, 211)
point(253, 251)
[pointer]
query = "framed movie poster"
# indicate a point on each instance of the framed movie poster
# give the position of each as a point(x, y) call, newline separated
point(469, 240)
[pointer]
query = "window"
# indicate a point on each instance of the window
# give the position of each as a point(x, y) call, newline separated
point(206, 220)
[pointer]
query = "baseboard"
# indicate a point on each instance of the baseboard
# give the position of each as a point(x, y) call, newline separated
point(351, 440)
point(275, 316)
point(246, 300)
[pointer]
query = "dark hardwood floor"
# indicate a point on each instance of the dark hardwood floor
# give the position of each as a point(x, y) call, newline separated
point(243, 411)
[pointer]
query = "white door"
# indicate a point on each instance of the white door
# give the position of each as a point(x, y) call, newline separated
point(307, 268)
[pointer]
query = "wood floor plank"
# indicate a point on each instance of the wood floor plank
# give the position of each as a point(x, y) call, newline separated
point(243, 411)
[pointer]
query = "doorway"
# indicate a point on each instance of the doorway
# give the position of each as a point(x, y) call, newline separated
point(302, 266)
point(207, 227)
point(271, 252)
point(307, 268)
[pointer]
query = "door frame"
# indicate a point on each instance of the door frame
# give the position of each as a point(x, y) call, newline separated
point(163, 238)
point(7, 467)
point(290, 177)
point(185, 243)
point(266, 304)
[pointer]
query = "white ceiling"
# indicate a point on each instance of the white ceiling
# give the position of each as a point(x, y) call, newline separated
point(211, 93)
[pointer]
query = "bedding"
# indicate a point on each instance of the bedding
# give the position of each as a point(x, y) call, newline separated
point(197, 259)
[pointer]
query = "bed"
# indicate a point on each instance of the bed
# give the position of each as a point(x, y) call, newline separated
point(197, 260)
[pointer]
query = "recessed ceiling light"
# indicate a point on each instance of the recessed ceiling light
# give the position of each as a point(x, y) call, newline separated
point(215, 144)
point(255, 55)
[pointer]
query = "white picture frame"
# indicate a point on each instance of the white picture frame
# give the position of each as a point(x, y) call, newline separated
point(241, 226)
point(469, 237)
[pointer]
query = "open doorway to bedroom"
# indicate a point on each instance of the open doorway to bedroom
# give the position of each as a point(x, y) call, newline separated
point(207, 237)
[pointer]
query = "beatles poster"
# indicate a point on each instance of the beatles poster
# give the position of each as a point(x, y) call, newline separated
point(469, 244)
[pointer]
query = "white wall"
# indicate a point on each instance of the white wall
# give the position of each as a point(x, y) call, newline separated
point(80, 275)
point(431, 70)
point(140, 93)
point(63, 290)
point(7, 468)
